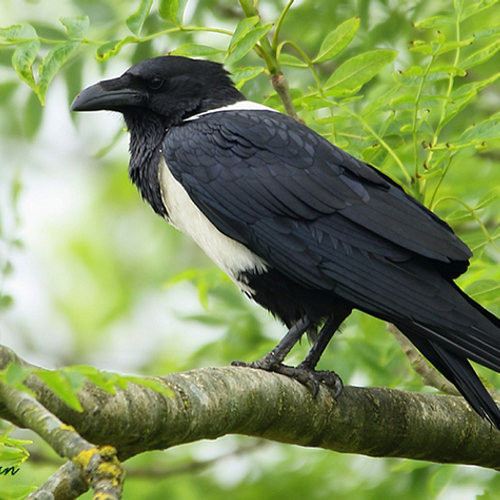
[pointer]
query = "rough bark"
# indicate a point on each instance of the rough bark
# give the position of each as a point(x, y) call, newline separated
point(212, 402)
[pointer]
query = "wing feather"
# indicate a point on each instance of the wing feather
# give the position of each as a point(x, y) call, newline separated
point(330, 222)
point(265, 166)
point(319, 216)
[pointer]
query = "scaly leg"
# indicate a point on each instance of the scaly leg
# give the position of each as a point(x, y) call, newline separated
point(305, 373)
point(275, 358)
point(329, 378)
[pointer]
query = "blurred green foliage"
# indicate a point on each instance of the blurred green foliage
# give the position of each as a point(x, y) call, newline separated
point(409, 86)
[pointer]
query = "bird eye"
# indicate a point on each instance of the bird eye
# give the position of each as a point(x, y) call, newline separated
point(155, 83)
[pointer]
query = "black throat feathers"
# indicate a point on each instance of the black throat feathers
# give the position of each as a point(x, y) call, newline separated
point(147, 131)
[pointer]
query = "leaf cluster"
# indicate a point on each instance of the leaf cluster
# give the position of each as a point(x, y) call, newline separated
point(419, 113)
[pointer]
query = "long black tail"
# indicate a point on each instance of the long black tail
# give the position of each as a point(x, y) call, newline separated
point(460, 373)
point(450, 351)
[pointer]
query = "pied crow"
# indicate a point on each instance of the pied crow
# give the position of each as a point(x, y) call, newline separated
point(303, 228)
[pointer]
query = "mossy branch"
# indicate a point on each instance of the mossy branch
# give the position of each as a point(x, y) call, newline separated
point(211, 402)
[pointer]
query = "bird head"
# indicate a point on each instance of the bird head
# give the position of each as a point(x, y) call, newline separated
point(170, 87)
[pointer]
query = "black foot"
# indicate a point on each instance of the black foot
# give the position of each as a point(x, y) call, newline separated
point(302, 373)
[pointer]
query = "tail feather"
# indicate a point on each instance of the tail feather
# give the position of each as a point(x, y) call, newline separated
point(458, 370)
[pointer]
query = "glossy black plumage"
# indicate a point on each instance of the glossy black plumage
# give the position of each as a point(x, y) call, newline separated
point(333, 232)
point(329, 222)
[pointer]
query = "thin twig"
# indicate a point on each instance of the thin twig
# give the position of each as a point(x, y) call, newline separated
point(280, 84)
point(429, 375)
point(193, 466)
point(67, 483)
point(101, 469)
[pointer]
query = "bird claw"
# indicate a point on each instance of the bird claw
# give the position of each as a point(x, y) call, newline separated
point(305, 375)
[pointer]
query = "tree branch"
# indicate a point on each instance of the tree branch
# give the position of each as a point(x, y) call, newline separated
point(98, 467)
point(211, 402)
point(67, 483)
point(429, 375)
point(280, 85)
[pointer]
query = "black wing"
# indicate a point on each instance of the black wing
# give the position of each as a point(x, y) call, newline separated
point(256, 170)
point(330, 222)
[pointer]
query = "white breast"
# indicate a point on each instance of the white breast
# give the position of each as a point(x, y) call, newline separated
point(229, 255)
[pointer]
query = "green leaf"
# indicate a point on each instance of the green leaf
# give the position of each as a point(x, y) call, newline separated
point(439, 479)
point(459, 5)
point(16, 443)
point(16, 189)
point(474, 87)
point(243, 75)
point(481, 56)
point(484, 290)
point(172, 10)
point(449, 46)
point(487, 32)
point(110, 49)
point(136, 21)
point(432, 101)
point(405, 101)
point(244, 26)
point(189, 275)
point(428, 174)
point(8, 269)
point(18, 32)
point(358, 70)
point(291, 61)
point(487, 130)
point(205, 281)
point(490, 197)
point(348, 100)
point(22, 61)
point(73, 77)
point(476, 136)
point(456, 106)
point(7, 88)
point(434, 22)
point(51, 64)
point(440, 46)
point(195, 50)
point(247, 43)
point(476, 7)
point(15, 374)
point(336, 41)
point(150, 383)
point(487, 495)
point(5, 302)
point(421, 46)
point(76, 27)
point(110, 145)
point(119, 381)
point(336, 118)
point(422, 126)
point(375, 105)
point(75, 379)
point(17, 492)
point(10, 456)
point(58, 384)
point(103, 380)
point(440, 147)
point(311, 102)
point(445, 70)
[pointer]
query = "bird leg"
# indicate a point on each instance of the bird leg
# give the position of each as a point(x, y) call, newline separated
point(272, 361)
point(305, 373)
point(307, 369)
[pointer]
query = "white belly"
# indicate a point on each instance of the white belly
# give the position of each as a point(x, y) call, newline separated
point(229, 255)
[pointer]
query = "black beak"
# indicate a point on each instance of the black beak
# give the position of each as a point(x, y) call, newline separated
point(112, 95)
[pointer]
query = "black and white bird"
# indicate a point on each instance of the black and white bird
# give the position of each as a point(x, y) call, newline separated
point(303, 228)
